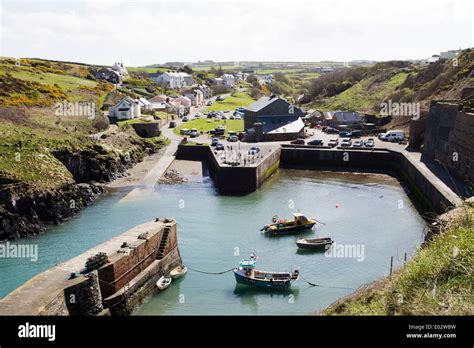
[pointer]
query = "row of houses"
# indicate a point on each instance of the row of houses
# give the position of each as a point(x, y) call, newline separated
point(230, 80)
point(129, 108)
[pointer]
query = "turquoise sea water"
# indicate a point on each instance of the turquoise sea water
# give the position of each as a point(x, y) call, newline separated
point(216, 231)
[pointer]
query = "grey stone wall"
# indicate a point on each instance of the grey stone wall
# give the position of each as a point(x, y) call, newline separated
point(449, 139)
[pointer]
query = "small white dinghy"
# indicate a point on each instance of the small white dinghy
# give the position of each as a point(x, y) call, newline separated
point(163, 283)
point(178, 272)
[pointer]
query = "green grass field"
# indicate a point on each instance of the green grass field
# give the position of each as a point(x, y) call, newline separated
point(204, 126)
point(231, 102)
point(147, 70)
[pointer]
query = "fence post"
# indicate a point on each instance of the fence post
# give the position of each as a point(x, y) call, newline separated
point(391, 265)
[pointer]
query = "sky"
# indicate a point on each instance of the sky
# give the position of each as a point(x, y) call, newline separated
point(140, 33)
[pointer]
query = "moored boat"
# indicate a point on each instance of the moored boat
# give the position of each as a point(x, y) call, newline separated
point(247, 274)
point(282, 226)
point(163, 283)
point(178, 272)
point(315, 244)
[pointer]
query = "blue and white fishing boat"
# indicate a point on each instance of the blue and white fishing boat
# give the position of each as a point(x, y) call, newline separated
point(248, 275)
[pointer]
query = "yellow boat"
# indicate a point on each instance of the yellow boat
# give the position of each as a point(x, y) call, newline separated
point(282, 226)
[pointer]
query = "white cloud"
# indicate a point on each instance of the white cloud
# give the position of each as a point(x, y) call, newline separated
point(146, 32)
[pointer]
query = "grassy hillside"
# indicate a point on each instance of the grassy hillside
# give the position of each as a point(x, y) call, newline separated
point(32, 82)
point(364, 88)
point(438, 280)
point(365, 95)
point(30, 132)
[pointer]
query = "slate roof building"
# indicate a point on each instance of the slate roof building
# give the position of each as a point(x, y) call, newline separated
point(273, 119)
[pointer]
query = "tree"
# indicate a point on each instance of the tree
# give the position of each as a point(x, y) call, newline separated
point(187, 69)
point(252, 79)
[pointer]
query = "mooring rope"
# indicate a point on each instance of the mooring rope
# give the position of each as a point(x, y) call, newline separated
point(196, 270)
point(327, 286)
point(310, 283)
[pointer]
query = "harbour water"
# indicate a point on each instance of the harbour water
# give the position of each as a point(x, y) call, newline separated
point(370, 213)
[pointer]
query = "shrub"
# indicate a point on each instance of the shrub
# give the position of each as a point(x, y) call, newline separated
point(101, 123)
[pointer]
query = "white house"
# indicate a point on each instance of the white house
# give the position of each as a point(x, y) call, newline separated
point(195, 95)
point(206, 91)
point(173, 79)
point(118, 67)
point(449, 54)
point(144, 104)
point(218, 81)
point(265, 79)
point(126, 109)
point(228, 79)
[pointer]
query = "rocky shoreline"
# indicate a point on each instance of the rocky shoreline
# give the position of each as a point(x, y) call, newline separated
point(26, 211)
point(172, 177)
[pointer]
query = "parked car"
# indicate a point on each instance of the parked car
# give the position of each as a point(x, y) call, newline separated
point(239, 108)
point(219, 130)
point(381, 135)
point(223, 117)
point(330, 130)
point(355, 134)
point(369, 142)
point(233, 138)
point(198, 115)
point(394, 135)
point(209, 103)
point(317, 142)
point(185, 119)
point(194, 133)
point(220, 98)
point(172, 124)
point(299, 141)
point(214, 141)
point(185, 131)
point(333, 142)
point(254, 150)
point(237, 117)
point(219, 146)
point(346, 142)
point(231, 117)
point(344, 134)
point(358, 143)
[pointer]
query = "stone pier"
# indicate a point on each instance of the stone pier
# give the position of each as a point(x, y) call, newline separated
point(137, 258)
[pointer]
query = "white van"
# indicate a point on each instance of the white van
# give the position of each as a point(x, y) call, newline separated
point(394, 135)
